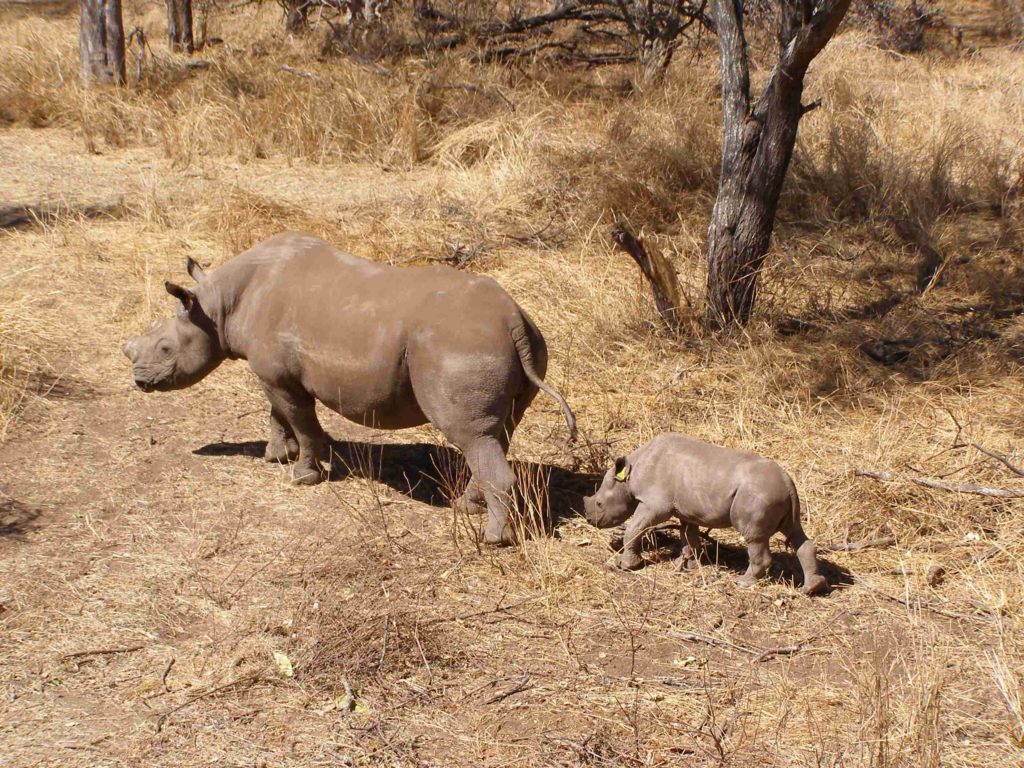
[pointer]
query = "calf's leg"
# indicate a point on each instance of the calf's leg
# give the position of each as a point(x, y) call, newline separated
point(644, 518)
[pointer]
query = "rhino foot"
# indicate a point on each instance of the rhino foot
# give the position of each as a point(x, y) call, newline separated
point(631, 562)
point(466, 506)
point(498, 536)
point(307, 476)
point(282, 452)
point(815, 585)
point(686, 564)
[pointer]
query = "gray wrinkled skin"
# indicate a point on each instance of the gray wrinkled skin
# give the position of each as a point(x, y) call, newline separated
point(703, 485)
point(384, 346)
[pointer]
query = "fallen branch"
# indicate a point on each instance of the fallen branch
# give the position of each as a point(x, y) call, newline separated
point(519, 687)
point(759, 654)
point(300, 72)
point(244, 680)
point(977, 490)
point(659, 273)
point(857, 546)
point(782, 650)
point(101, 652)
point(1001, 459)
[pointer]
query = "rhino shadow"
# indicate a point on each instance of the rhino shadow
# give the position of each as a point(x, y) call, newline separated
point(17, 520)
point(434, 474)
point(664, 544)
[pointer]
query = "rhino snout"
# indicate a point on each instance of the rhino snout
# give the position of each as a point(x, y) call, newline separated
point(590, 509)
point(131, 349)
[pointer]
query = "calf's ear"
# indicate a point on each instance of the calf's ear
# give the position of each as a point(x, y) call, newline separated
point(184, 295)
point(194, 270)
point(622, 469)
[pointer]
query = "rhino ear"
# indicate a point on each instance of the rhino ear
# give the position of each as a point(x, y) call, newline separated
point(194, 270)
point(184, 295)
point(622, 469)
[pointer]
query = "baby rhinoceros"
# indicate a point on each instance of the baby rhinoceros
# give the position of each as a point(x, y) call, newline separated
point(703, 485)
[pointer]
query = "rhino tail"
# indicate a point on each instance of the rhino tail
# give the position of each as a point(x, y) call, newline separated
point(521, 338)
point(790, 524)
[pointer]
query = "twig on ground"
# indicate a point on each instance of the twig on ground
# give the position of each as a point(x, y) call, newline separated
point(300, 72)
point(249, 679)
point(856, 546)
point(101, 652)
point(1001, 459)
point(519, 687)
point(977, 490)
point(167, 671)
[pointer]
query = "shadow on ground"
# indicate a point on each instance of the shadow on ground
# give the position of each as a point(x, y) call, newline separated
point(785, 568)
point(430, 474)
point(16, 519)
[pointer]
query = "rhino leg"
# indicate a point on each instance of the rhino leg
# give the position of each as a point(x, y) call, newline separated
point(760, 560)
point(644, 518)
point(472, 501)
point(298, 410)
point(692, 553)
point(493, 476)
point(282, 446)
point(807, 554)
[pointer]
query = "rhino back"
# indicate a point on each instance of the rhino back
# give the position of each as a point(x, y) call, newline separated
point(701, 479)
point(348, 328)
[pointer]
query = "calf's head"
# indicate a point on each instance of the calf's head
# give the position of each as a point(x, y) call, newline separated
point(613, 502)
point(178, 351)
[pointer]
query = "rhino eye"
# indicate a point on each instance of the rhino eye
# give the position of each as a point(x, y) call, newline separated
point(165, 349)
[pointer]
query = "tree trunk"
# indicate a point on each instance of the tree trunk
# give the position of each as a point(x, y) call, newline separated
point(1016, 9)
point(757, 144)
point(655, 56)
point(179, 26)
point(101, 42)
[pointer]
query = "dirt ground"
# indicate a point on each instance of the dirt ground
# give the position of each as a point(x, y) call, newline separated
point(168, 598)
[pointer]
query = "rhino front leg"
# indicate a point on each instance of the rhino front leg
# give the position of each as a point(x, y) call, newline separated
point(644, 518)
point(472, 501)
point(760, 560)
point(298, 410)
point(282, 446)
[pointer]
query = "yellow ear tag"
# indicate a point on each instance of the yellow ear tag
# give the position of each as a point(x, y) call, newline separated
point(623, 474)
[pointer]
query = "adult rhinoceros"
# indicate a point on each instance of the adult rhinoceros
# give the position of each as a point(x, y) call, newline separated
point(388, 347)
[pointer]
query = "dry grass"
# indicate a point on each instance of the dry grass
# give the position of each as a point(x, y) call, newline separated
point(144, 525)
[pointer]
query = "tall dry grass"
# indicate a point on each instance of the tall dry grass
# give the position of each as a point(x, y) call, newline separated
point(526, 169)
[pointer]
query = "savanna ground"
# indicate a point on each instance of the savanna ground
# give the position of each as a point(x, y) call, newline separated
point(167, 598)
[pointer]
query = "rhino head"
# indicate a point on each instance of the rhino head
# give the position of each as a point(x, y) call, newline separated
point(613, 501)
point(178, 351)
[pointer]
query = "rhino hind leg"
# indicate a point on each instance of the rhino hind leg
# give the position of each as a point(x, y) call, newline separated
point(693, 552)
point(807, 554)
point(298, 411)
point(493, 478)
point(282, 446)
